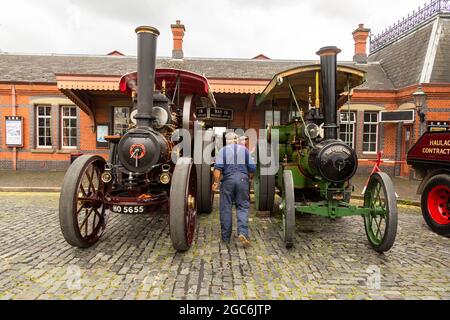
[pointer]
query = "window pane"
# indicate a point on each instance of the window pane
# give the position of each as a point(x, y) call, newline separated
point(374, 117)
point(121, 120)
point(73, 123)
point(48, 141)
point(277, 121)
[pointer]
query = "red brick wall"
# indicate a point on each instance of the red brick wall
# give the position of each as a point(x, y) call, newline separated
point(438, 104)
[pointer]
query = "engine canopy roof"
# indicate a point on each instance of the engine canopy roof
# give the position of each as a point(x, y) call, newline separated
point(190, 83)
point(301, 78)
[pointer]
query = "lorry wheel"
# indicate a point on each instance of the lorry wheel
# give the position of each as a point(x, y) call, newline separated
point(183, 204)
point(288, 209)
point(82, 213)
point(381, 222)
point(435, 204)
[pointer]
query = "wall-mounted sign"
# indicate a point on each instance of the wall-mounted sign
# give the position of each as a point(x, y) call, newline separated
point(214, 114)
point(14, 131)
point(102, 132)
point(397, 116)
point(202, 113)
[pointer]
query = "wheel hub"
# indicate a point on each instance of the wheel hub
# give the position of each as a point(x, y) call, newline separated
point(191, 202)
point(439, 204)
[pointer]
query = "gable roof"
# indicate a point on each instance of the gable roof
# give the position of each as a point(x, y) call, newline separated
point(441, 68)
point(419, 56)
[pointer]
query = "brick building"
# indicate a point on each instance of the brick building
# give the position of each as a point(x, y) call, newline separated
point(64, 99)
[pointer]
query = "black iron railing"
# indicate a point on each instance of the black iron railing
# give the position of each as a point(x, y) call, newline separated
point(408, 23)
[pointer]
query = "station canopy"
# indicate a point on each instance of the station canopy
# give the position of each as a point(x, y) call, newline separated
point(304, 77)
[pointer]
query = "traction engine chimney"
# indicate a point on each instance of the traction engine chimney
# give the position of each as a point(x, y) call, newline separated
point(328, 64)
point(146, 64)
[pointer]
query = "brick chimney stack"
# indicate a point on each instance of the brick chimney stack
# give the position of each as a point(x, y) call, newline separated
point(360, 36)
point(178, 34)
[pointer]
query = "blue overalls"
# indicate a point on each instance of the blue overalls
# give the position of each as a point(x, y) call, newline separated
point(235, 163)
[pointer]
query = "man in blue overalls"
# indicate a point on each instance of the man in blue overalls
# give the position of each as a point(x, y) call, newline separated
point(234, 164)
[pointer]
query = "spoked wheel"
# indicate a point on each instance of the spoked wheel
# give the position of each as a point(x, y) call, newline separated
point(81, 209)
point(436, 204)
point(183, 204)
point(381, 223)
point(288, 209)
point(264, 183)
point(203, 153)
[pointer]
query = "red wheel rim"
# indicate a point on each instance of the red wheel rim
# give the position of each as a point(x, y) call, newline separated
point(438, 204)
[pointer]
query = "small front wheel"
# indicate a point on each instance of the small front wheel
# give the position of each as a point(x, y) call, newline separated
point(82, 213)
point(381, 222)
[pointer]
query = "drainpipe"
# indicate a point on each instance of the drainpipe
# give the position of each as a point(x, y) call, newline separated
point(14, 107)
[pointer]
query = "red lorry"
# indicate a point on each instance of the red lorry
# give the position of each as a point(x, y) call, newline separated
point(430, 157)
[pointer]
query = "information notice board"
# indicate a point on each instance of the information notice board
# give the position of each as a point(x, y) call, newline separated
point(14, 131)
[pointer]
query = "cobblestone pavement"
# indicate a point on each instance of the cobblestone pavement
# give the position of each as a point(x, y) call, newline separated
point(135, 259)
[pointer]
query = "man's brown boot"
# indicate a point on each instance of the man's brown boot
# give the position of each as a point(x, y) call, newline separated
point(244, 241)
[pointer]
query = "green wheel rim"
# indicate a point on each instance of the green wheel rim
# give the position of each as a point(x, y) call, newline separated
point(377, 220)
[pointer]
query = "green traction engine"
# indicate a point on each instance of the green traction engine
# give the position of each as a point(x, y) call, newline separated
point(306, 161)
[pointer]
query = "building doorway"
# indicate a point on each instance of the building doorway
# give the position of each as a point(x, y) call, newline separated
point(406, 146)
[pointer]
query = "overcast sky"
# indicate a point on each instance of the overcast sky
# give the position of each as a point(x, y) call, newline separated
point(280, 29)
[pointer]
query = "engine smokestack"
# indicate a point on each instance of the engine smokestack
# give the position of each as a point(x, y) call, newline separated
point(328, 63)
point(146, 63)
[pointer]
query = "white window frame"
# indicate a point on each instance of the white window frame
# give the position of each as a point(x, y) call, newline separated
point(62, 126)
point(292, 115)
point(37, 126)
point(273, 116)
point(114, 117)
point(377, 124)
point(351, 123)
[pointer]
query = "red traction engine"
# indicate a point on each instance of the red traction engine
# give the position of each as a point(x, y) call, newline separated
point(150, 167)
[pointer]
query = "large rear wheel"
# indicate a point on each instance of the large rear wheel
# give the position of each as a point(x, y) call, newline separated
point(436, 204)
point(381, 222)
point(82, 213)
point(183, 204)
point(203, 153)
point(264, 181)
